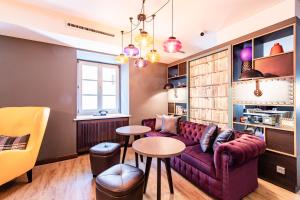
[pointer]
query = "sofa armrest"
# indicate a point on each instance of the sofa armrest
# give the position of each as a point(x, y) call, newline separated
point(238, 152)
point(150, 123)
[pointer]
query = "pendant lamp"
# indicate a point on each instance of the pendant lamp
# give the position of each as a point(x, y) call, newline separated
point(172, 45)
point(122, 59)
point(153, 56)
point(131, 50)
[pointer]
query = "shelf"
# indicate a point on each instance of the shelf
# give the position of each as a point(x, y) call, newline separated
point(177, 114)
point(219, 109)
point(280, 152)
point(253, 79)
point(217, 84)
point(264, 126)
point(279, 54)
point(177, 77)
point(255, 104)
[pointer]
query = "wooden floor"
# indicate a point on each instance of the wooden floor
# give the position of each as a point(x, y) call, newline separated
point(72, 180)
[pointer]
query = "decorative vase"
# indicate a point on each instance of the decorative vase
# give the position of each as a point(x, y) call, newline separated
point(276, 49)
point(246, 53)
point(246, 65)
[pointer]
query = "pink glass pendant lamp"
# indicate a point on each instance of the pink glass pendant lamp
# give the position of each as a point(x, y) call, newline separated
point(172, 45)
point(131, 50)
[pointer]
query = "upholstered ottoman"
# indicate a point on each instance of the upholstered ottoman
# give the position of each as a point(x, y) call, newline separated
point(103, 156)
point(122, 182)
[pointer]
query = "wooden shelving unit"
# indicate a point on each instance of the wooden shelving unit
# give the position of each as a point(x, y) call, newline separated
point(279, 83)
point(178, 77)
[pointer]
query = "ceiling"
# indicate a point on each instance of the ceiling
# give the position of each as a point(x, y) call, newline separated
point(190, 18)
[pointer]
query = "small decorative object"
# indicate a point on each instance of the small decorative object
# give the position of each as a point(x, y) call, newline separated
point(276, 49)
point(287, 122)
point(257, 91)
point(103, 112)
point(246, 53)
point(243, 119)
point(246, 65)
point(249, 74)
point(168, 86)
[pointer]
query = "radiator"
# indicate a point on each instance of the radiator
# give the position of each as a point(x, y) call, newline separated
point(92, 132)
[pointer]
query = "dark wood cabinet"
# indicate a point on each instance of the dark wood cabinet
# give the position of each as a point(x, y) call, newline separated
point(92, 132)
point(267, 170)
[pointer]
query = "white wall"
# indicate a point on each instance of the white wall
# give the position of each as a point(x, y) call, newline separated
point(270, 16)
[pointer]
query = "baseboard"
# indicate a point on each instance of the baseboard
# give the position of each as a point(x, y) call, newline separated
point(57, 159)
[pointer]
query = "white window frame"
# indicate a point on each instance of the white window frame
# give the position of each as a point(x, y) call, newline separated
point(80, 111)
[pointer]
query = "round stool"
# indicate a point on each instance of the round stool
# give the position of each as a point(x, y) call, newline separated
point(122, 182)
point(103, 156)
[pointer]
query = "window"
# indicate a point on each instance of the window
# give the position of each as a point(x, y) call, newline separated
point(98, 88)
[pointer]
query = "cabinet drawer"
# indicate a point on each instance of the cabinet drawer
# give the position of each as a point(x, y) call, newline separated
point(280, 140)
point(267, 165)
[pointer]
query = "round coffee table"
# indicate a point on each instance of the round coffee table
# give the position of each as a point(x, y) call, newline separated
point(136, 131)
point(160, 148)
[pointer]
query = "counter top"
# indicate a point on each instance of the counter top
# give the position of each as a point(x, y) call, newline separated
point(93, 117)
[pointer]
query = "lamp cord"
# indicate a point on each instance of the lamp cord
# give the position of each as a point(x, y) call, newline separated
point(138, 24)
point(130, 29)
point(172, 17)
point(122, 32)
point(153, 31)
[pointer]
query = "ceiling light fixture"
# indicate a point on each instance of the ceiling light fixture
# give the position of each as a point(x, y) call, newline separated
point(122, 59)
point(144, 40)
point(172, 45)
point(153, 56)
point(131, 50)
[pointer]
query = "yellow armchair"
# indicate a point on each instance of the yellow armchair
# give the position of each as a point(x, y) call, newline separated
point(18, 121)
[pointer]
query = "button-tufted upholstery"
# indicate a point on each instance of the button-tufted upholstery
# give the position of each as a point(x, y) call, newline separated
point(103, 156)
point(230, 173)
point(122, 182)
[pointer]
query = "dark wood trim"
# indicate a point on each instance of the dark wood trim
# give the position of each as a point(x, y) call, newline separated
point(57, 159)
point(249, 36)
point(29, 176)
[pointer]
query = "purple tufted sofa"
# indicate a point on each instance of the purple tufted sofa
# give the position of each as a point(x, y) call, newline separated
point(230, 173)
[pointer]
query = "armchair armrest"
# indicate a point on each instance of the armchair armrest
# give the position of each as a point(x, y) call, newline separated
point(237, 152)
point(150, 123)
point(14, 163)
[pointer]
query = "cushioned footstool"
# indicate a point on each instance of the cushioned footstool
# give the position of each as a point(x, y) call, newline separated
point(122, 182)
point(103, 156)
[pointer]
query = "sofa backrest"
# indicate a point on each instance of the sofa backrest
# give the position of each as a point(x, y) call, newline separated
point(193, 131)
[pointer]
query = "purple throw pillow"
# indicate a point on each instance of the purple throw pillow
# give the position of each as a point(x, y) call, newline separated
point(223, 137)
point(208, 137)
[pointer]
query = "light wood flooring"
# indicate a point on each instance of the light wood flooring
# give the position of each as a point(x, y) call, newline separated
point(72, 180)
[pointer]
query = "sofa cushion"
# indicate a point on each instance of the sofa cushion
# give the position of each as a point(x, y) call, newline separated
point(186, 141)
point(158, 122)
point(159, 134)
point(208, 137)
point(204, 162)
point(225, 136)
point(10, 143)
point(169, 124)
